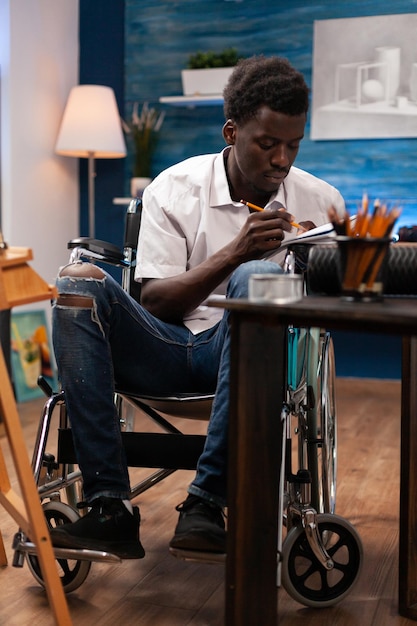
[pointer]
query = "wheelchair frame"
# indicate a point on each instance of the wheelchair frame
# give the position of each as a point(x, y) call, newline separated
point(314, 534)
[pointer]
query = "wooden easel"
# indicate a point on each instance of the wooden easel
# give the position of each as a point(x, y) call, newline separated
point(20, 284)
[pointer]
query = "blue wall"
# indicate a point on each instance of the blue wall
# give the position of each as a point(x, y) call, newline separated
point(101, 34)
point(148, 56)
point(161, 35)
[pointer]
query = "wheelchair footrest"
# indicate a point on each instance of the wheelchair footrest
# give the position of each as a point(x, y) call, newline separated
point(72, 554)
point(153, 450)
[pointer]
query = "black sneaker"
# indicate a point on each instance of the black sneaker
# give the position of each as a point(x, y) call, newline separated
point(200, 527)
point(107, 527)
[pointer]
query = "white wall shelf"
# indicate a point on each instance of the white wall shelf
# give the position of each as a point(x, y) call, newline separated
point(122, 201)
point(192, 101)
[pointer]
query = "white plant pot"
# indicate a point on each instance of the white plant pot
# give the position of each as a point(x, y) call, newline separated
point(207, 81)
point(137, 185)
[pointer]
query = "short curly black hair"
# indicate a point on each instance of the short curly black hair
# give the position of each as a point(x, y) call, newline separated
point(258, 81)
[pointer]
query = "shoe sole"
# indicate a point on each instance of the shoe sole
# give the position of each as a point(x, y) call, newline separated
point(124, 550)
point(199, 542)
point(198, 556)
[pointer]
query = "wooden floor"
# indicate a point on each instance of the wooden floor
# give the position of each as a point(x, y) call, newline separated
point(163, 591)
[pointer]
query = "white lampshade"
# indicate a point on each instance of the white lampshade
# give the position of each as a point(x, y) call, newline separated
point(91, 128)
point(91, 124)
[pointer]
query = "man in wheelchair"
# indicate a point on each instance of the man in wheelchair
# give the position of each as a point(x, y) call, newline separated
point(197, 238)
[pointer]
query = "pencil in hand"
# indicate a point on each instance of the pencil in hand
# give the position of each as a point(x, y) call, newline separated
point(259, 208)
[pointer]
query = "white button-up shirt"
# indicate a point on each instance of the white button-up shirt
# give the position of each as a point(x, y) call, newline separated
point(188, 215)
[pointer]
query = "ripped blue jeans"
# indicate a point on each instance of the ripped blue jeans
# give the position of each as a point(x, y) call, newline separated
point(112, 340)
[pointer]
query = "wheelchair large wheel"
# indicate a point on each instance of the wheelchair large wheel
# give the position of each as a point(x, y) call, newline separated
point(71, 572)
point(303, 576)
point(321, 422)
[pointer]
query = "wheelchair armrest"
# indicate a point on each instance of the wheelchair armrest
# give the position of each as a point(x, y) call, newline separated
point(98, 249)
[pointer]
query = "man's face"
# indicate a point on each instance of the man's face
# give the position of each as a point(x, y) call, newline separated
point(264, 148)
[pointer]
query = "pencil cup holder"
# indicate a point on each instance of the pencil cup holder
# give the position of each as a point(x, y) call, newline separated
point(277, 288)
point(361, 265)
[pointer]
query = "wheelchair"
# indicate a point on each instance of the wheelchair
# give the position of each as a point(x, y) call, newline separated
point(315, 537)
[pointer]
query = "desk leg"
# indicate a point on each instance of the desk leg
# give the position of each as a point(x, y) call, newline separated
point(257, 387)
point(408, 493)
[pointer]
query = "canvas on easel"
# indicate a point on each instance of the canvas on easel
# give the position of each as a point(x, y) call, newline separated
point(31, 354)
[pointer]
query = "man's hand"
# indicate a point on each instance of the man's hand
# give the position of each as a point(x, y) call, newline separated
point(263, 232)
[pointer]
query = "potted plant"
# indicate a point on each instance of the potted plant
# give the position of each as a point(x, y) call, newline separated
point(142, 132)
point(208, 72)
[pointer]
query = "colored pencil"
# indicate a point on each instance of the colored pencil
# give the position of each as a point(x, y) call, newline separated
point(259, 208)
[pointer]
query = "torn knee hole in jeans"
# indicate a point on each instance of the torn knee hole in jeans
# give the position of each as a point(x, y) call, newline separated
point(82, 271)
point(79, 302)
point(76, 302)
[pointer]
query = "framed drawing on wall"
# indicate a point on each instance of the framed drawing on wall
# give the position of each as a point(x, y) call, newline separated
point(31, 354)
point(365, 78)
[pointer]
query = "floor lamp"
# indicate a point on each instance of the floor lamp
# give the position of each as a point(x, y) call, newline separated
point(91, 128)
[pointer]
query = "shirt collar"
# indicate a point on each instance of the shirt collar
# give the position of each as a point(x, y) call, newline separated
point(219, 189)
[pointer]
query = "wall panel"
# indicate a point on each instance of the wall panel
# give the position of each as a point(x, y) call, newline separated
point(161, 35)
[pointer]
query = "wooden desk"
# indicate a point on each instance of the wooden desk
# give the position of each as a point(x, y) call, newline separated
point(257, 392)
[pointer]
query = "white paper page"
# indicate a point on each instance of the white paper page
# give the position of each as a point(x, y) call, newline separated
point(320, 234)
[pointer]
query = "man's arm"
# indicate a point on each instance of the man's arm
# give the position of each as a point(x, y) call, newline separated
point(170, 299)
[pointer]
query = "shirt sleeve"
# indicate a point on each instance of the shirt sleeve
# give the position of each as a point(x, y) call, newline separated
point(162, 247)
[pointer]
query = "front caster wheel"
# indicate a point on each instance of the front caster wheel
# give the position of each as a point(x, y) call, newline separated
point(71, 572)
point(303, 576)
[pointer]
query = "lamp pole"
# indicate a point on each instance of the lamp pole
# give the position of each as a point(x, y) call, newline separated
point(91, 210)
